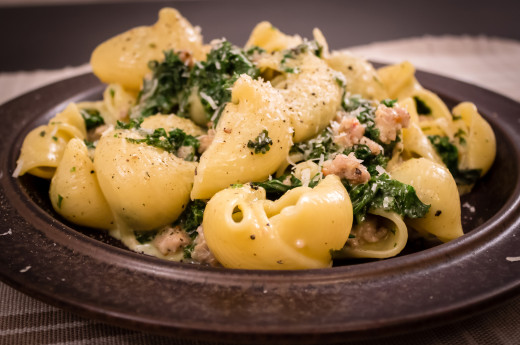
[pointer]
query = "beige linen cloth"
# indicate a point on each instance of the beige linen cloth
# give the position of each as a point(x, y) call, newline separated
point(491, 63)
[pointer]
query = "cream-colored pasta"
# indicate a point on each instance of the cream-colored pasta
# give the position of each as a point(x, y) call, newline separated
point(306, 171)
point(74, 190)
point(145, 187)
point(298, 231)
point(266, 36)
point(399, 80)
point(43, 147)
point(361, 77)
point(383, 236)
point(436, 187)
point(311, 90)
point(170, 122)
point(124, 58)
point(480, 142)
point(118, 103)
point(415, 142)
point(255, 107)
point(196, 109)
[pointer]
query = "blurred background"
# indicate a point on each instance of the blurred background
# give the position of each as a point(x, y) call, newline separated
point(50, 34)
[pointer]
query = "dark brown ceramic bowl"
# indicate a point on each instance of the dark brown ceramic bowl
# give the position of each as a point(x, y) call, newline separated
point(86, 273)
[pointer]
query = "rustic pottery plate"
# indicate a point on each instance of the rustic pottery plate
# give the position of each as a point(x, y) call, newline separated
point(88, 273)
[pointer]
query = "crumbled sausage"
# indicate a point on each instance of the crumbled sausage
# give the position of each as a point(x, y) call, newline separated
point(171, 240)
point(347, 167)
point(367, 232)
point(374, 147)
point(390, 121)
point(206, 140)
point(348, 131)
point(201, 252)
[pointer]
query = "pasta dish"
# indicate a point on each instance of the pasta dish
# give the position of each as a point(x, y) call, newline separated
point(277, 155)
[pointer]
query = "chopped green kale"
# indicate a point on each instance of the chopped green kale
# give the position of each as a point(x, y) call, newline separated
point(422, 107)
point(173, 80)
point(323, 147)
point(261, 144)
point(214, 77)
point(192, 217)
point(320, 146)
point(188, 250)
point(164, 92)
point(277, 187)
point(390, 195)
point(450, 156)
point(92, 118)
point(171, 142)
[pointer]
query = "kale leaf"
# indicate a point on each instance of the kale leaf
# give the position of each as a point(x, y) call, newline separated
point(390, 195)
point(450, 156)
point(421, 106)
point(92, 118)
point(192, 217)
point(277, 187)
point(164, 92)
point(214, 77)
point(189, 221)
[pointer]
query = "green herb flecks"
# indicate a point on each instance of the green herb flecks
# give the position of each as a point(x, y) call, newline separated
point(92, 118)
point(172, 142)
point(461, 136)
point(389, 102)
point(261, 144)
point(60, 201)
point(390, 195)
point(422, 107)
point(450, 156)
